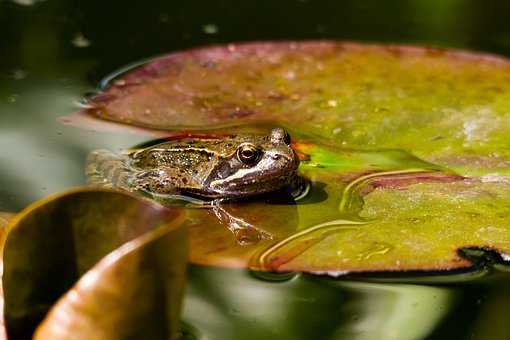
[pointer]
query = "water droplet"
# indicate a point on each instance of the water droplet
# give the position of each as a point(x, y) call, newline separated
point(332, 103)
point(247, 236)
point(120, 82)
point(26, 2)
point(163, 17)
point(381, 109)
point(18, 74)
point(415, 220)
point(337, 130)
point(290, 75)
point(13, 98)
point(320, 29)
point(377, 248)
point(210, 29)
point(80, 41)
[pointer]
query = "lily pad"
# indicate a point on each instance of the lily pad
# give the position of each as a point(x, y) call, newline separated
point(417, 222)
point(89, 253)
point(405, 149)
point(447, 107)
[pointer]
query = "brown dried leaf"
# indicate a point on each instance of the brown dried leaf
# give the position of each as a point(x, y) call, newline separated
point(135, 289)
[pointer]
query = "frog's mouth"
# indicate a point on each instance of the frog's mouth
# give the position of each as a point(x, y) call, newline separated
point(255, 185)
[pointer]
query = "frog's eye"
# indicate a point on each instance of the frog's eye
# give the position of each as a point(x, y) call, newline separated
point(248, 154)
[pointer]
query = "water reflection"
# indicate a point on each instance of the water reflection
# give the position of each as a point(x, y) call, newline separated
point(39, 155)
point(232, 304)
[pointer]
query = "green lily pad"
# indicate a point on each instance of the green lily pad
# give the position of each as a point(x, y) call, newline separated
point(400, 145)
point(423, 226)
point(74, 258)
point(405, 223)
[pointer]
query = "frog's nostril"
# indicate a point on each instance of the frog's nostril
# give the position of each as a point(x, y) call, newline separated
point(276, 157)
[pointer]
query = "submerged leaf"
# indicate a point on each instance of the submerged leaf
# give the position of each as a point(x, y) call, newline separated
point(136, 289)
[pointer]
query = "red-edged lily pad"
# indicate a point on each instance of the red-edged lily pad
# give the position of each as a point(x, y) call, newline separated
point(406, 149)
point(445, 106)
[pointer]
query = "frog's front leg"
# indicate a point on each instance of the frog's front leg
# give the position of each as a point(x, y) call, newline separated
point(156, 181)
point(244, 232)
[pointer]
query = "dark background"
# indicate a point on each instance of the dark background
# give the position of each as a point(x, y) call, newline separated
point(52, 52)
point(38, 33)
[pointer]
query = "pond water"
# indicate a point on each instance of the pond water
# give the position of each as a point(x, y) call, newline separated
point(54, 52)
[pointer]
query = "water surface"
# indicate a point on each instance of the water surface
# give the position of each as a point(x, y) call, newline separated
point(53, 52)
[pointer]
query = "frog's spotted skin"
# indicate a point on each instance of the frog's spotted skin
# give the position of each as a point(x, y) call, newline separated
point(235, 167)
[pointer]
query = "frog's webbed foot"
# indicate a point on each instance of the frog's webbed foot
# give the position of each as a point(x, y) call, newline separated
point(244, 232)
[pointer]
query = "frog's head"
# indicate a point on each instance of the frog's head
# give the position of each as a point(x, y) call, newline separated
point(259, 164)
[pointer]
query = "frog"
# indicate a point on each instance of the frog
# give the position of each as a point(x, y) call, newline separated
point(206, 169)
point(235, 167)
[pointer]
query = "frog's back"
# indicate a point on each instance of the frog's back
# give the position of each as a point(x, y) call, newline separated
point(165, 173)
point(187, 153)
